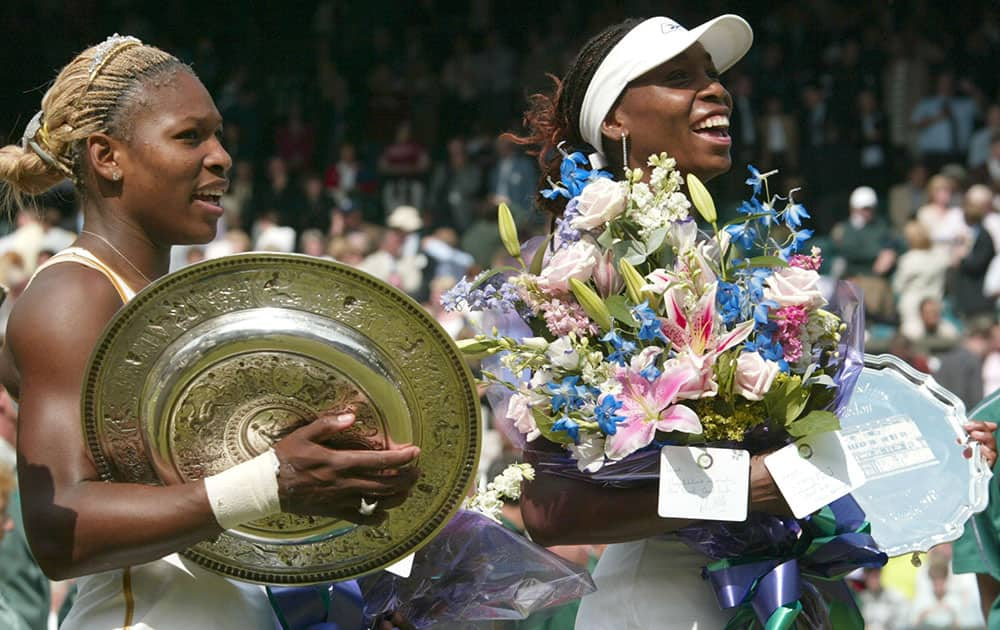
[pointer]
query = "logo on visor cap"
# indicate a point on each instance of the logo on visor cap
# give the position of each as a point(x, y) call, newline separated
point(669, 26)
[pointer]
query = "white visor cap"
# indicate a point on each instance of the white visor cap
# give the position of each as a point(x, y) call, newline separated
point(657, 40)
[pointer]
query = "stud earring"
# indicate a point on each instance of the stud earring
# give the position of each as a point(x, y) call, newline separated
point(116, 175)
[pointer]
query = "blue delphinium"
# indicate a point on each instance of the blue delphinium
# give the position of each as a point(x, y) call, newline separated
point(605, 415)
point(755, 180)
point(794, 213)
point(623, 349)
point(731, 301)
point(569, 426)
point(568, 394)
point(493, 294)
point(649, 323)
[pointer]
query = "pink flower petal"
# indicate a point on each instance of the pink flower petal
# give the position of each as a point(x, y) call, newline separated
point(630, 437)
point(735, 336)
point(679, 418)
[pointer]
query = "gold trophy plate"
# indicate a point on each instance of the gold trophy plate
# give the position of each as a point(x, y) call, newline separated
point(211, 365)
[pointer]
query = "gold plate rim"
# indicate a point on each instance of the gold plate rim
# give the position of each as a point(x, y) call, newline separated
point(257, 261)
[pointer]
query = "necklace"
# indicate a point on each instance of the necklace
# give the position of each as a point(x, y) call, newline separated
point(119, 252)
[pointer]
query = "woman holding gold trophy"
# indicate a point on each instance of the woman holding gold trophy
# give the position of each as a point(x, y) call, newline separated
point(139, 136)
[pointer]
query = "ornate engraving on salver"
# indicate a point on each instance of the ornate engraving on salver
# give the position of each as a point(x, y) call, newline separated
point(229, 401)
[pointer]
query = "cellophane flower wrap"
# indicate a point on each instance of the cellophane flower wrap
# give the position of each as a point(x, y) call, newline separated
point(630, 328)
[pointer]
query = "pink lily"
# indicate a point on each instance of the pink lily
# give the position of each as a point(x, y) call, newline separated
point(701, 333)
point(699, 338)
point(649, 406)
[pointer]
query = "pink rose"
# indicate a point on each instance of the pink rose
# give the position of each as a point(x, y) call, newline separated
point(576, 261)
point(599, 202)
point(754, 375)
point(794, 286)
point(519, 410)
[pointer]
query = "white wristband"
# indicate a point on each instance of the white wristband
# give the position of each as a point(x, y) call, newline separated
point(245, 492)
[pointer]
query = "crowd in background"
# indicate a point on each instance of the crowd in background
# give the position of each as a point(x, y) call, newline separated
point(369, 133)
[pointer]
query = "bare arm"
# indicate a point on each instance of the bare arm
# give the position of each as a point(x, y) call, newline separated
point(560, 511)
point(77, 524)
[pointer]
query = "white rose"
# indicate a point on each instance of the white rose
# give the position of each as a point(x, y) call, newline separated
point(563, 355)
point(576, 261)
point(754, 375)
point(794, 286)
point(599, 202)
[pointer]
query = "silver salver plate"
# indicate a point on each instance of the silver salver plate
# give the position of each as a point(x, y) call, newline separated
point(902, 428)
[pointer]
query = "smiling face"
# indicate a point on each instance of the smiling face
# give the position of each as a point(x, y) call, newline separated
point(173, 164)
point(678, 107)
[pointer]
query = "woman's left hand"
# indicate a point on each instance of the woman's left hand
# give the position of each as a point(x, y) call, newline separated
point(982, 432)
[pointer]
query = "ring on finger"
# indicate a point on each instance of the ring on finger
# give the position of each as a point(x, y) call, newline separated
point(367, 509)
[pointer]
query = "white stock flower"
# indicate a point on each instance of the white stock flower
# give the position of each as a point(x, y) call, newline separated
point(563, 355)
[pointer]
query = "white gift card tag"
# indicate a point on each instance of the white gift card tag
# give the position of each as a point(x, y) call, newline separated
point(403, 567)
point(704, 483)
point(814, 471)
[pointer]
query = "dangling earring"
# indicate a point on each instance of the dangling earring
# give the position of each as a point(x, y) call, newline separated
point(625, 150)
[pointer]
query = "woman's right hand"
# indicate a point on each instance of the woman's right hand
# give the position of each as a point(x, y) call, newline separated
point(316, 480)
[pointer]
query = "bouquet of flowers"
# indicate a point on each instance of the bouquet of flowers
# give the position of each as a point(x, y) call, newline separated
point(643, 332)
point(630, 328)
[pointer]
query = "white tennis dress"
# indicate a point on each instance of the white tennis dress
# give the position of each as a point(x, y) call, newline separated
point(171, 593)
point(651, 583)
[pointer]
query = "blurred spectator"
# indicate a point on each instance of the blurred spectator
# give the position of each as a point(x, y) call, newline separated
point(866, 245)
point(944, 221)
point(455, 188)
point(295, 140)
point(960, 369)
point(944, 600)
point(460, 78)
point(235, 241)
point(350, 249)
point(272, 236)
point(313, 243)
point(868, 132)
point(944, 122)
point(904, 81)
point(883, 608)
point(317, 207)
point(341, 178)
point(278, 202)
point(972, 259)
point(908, 196)
point(9, 618)
point(512, 181)
point(991, 363)
point(444, 256)
point(990, 172)
point(389, 263)
point(23, 586)
point(936, 333)
point(920, 274)
point(979, 145)
point(403, 166)
point(743, 121)
point(482, 239)
point(814, 117)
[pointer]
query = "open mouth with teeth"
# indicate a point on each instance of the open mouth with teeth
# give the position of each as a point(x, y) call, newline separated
point(713, 126)
point(212, 198)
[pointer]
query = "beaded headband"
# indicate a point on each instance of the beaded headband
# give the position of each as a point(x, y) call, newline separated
point(106, 51)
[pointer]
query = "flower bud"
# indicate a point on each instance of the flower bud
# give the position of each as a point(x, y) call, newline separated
point(633, 281)
point(701, 199)
point(508, 231)
point(592, 304)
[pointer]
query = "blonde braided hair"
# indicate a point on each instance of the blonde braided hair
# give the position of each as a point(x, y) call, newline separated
point(95, 93)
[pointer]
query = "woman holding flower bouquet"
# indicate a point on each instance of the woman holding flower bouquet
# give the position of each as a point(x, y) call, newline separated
point(626, 332)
